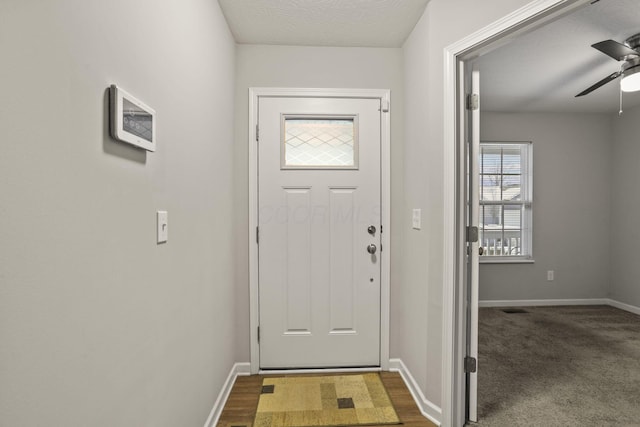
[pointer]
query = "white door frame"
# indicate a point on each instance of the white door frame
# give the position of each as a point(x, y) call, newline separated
point(523, 20)
point(385, 163)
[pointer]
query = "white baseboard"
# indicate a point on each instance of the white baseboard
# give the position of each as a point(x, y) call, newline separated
point(428, 409)
point(542, 302)
point(552, 302)
point(238, 369)
point(622, 306)
point(316, 371)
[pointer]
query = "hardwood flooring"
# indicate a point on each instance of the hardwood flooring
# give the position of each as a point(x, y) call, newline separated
point(240, 409)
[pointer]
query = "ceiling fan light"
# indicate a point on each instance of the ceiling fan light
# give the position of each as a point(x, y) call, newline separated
point(631, 80)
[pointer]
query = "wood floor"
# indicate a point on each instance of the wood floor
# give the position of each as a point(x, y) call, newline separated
point(240, 409)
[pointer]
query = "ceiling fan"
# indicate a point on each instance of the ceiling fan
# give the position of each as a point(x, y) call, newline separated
point(629, 52)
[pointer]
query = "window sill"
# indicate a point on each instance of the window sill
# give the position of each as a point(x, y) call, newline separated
point(501, 260)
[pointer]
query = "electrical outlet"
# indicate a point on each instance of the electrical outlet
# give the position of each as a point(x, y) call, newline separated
point(550, 275)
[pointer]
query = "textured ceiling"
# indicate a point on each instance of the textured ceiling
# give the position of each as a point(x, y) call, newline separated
point(544, 69)
point(363, 23)
point(540, 71)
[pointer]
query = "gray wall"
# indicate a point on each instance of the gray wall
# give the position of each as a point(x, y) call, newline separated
point(328, 67)
point(420, 293)
point(100, 326)
point(625, 203)
point(571, 207)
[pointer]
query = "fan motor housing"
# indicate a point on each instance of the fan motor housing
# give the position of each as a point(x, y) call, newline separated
point(630, 64)
point(633, 42)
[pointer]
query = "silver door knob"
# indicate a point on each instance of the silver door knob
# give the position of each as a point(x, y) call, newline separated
point(371, 230)
point(372, 249)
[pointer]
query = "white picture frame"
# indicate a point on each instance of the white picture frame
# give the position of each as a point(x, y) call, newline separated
point(131, 120)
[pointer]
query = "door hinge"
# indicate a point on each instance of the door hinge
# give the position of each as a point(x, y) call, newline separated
point(473, 101)
point(258, 333)
point(258, 235)
point(470, 365)
point(257, 133)
point(472, 234)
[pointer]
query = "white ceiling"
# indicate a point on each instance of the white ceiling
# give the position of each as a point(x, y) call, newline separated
point(541, 71)
point(544, 69)
point(362, 23)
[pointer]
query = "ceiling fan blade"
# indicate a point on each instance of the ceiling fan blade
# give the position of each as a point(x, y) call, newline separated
point(614, 49)
point(609, 78)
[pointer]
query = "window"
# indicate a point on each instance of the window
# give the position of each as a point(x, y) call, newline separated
point(319, 143)
point(505, 201)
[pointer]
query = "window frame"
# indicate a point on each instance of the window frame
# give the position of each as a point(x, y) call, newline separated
point(526, 203)
point(354, 118)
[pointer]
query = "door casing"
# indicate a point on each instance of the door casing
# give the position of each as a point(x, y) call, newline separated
point(523, 20)
point(385, 161)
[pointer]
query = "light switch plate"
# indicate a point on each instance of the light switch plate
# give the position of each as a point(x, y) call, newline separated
point(163, 226)
point(416, 220)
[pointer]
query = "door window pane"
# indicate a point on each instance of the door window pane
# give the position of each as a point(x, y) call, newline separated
point(311, 143)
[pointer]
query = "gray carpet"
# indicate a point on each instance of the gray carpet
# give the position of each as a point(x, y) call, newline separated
point(559, 366)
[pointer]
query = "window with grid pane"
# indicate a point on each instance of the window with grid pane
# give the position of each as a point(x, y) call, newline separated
point(316, 143)
point(505, 200)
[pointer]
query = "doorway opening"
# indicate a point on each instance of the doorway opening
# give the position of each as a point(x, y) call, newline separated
point(460, 310)
point(575, 140)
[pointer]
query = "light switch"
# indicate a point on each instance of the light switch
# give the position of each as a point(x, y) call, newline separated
point(163, 226)
point(417, 219)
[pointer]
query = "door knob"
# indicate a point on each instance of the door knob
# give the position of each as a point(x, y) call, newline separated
point(480, 250)
point(371, 230)
point(372, 249)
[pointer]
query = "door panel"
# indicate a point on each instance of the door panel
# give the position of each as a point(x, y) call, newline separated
point(342, 264)
point(319, 191)
point(473, 258)
point(297, 256)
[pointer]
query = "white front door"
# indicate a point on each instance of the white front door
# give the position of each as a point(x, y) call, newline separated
point(319, 210)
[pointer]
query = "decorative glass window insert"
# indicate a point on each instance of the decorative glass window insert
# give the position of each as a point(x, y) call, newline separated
point(505, 200)
point(319, 142)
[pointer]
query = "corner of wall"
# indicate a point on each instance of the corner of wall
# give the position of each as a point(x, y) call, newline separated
point(238, 369)
point(427, 408)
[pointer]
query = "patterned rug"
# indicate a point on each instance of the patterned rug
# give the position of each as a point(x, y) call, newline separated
point(335, 400)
